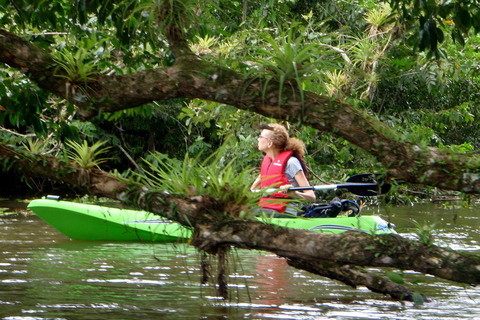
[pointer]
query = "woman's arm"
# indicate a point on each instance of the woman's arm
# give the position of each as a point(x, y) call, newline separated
point(256, 184)
point(302, 181)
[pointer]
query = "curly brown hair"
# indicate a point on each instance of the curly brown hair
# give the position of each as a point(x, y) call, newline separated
point(282, 141)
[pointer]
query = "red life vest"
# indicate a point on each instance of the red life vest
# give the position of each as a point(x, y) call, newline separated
point(272, 174)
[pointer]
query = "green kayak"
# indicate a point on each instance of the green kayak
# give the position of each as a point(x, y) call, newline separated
point(92, 222)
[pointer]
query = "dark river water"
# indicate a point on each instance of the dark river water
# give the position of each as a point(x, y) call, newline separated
point(45, 275)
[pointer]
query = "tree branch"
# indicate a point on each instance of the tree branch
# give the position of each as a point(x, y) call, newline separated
point(304, 249)
point(354, 277)
point(193, 78)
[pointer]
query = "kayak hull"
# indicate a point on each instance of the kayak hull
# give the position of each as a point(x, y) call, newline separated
point(92, 222)
point(99, 223)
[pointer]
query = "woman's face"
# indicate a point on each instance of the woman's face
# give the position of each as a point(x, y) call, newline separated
point(264, 142)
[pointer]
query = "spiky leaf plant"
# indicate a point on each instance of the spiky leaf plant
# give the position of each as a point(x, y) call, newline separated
point(36, 146)
point(87, 156)
point(203, 45)
point(425, 232)
point(338, 81)
point(288, 61)
point(78, 69)
point(228, 185)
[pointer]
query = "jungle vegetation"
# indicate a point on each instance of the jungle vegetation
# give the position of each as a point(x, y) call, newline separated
point(127, 99)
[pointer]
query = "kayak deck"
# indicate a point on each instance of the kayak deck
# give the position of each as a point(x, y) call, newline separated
point(93, 222)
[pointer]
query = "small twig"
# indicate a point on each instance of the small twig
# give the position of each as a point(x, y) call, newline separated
point(130, 158)
point(19, 13)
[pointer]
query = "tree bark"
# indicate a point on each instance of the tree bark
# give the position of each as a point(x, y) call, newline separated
point(191, 77)
point(354, 277)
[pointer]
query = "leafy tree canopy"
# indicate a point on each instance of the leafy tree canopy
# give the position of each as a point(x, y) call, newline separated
point(353, 50)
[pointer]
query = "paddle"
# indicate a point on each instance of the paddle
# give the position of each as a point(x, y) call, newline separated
point(366, 185)
point(381, 186)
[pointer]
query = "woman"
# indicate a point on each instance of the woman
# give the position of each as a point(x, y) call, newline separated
point(282, 167)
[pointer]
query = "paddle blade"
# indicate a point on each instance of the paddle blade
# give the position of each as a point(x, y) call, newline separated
point(379, 187)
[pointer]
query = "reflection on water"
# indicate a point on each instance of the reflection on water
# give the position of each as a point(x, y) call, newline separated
point(44, 275)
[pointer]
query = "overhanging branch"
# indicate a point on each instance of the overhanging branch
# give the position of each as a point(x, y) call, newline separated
point(195, 78)
point(383, 251)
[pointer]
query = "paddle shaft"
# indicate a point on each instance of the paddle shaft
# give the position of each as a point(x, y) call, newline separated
point(329, 187)
point(336, 186)
point(361, 185)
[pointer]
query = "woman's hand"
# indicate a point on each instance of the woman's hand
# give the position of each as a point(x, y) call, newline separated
point(284, 188)
point(308, 195)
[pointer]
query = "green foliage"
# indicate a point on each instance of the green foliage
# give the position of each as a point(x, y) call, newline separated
point(77, 70)
point(337, 82)
point(338, 14)
point(425, 232)
point(437, 18)
point(348, 49)
point(287, 60)
point(439, 117)
point(226, 182)
point(37, 146)
point(203, 45)
point(395, 277)
point(179, 13)
point(87, 156)
point(226, 119)
point(418, 298)
point(23, 102)
point(462, 148)
point(83, 62)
